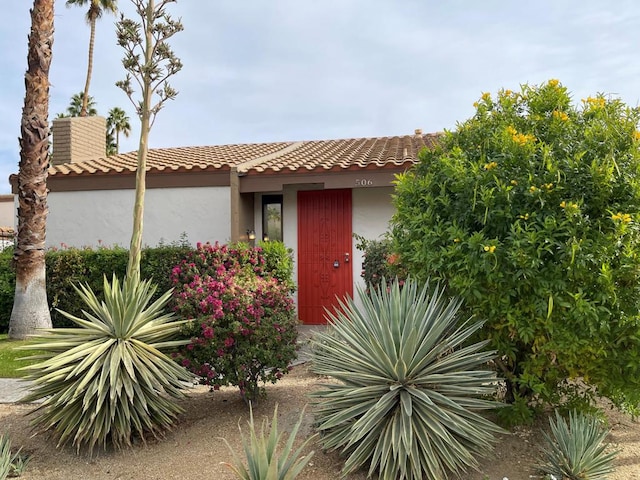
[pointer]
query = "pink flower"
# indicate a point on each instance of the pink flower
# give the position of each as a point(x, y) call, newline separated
point(208, 332)
point(229, 342)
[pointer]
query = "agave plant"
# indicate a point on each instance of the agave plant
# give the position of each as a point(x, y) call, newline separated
point(409, 389)
point(5, 457)
point(577, 451)
point(11, 464)
point(108, 380)
point(264, 462)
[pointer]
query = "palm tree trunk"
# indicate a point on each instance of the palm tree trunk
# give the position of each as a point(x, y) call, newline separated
point(85, 98)
point(30, 307)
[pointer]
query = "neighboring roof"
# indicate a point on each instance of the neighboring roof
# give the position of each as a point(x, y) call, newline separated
point(171, 159)
point(7, 232)
point(319, 155)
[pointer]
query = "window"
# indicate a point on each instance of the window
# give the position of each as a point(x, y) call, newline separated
point(272, 217)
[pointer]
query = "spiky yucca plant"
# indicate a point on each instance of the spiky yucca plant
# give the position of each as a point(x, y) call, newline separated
point(409, 388)
point(11, 464)
point(108, 379)
point(264, 462)
point(577, 450)
point(5, 457)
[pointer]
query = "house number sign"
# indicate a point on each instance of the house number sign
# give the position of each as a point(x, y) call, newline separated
point(364, 182)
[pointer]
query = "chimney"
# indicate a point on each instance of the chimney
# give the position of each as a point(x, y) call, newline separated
point(76, 139)
point(418, 132)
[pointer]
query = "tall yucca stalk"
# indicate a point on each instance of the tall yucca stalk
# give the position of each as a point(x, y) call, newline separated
point(577, 450)
point(408, 385)
point(108, 379)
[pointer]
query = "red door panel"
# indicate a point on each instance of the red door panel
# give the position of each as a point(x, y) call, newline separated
point(324, 252)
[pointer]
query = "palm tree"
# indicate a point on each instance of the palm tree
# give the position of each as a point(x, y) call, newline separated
point(75, 106)
point(118, 122)
point(30, 308)
point(96, 9)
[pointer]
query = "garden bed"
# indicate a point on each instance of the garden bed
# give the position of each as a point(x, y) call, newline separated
point(195, 450)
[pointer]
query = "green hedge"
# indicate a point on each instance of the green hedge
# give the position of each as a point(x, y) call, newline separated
point(71, 266)
point(84, 265)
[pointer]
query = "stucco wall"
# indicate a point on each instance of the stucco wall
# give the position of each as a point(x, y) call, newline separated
point(106, 216)
point(372, 210)
point(7, 211)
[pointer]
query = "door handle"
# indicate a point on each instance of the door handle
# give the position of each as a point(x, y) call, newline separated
point(336, 264)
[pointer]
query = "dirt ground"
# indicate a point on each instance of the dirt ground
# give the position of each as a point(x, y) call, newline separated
point(194, 449)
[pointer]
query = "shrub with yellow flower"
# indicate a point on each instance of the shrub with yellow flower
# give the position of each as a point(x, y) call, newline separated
point(562, 289)
point(490, 165)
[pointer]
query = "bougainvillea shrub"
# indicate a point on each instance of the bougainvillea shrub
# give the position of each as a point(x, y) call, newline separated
point(243, 329)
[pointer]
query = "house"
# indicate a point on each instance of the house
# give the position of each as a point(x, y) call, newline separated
point(7, 220)
point(313, 195)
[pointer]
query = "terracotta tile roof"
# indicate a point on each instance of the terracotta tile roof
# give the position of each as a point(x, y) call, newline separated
point(318, 155)
point(350, 154)
point(172, 159)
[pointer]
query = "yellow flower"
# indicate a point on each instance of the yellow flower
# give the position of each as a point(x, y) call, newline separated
point(514, 182)
point(623, 217)
point(533, 189)
point(475, 104)
point(490, 248)
point(486, 96)
point(456, 240)
point(594, 102)
point(524, 217)
point(522, 139)
point(490, 165)
point(563, 117)
point(570, 207)
point(508, 93)
point(636, 135)
point(548, 186)
point(554, 82)
point(511, 131)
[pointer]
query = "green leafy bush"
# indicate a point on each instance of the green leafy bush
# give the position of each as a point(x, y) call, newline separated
point(380, 260)
point(264, 460)
point(243, 323)
point(278, 261)
point(408, 393)
point(67, 267)
point(7, 288)
point(577, 450)
point(107, 380)
point(157, 262)
point(530, 211)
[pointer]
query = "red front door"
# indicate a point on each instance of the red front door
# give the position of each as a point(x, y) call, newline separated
point(324, 252)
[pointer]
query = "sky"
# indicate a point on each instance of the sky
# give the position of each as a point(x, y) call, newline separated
point(290, 70)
